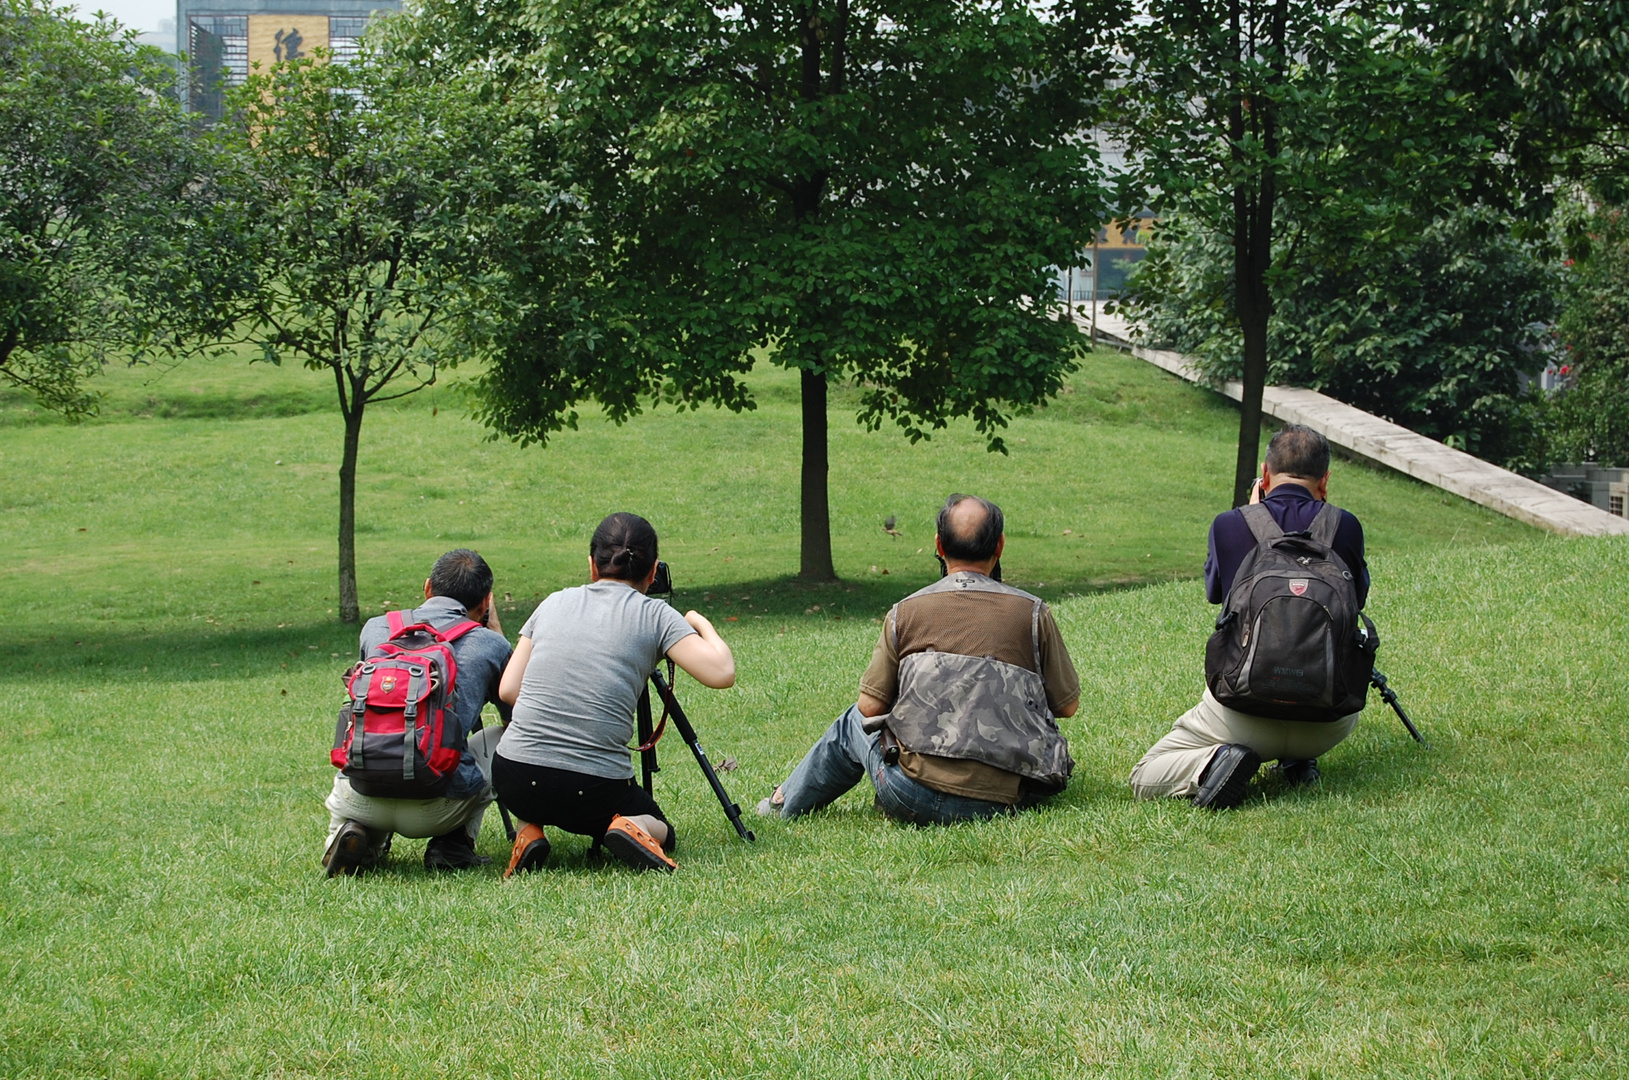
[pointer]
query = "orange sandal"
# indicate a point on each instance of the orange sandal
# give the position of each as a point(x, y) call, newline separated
point(530, 852)
point(636, 847)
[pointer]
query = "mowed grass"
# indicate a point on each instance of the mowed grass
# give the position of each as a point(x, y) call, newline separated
point(173, 669)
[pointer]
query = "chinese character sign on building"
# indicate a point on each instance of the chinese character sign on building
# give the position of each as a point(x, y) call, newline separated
point(275, 39)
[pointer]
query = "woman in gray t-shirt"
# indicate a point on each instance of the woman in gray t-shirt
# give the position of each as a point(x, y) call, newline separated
point(574, 681)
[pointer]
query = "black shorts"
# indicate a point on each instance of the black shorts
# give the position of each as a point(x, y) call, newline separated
point(575, 802)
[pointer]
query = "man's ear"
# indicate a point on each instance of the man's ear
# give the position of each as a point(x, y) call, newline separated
point(427, 592)
point(1001, 545)
point(593, 571)
point(938, 546)
point(1320, 490)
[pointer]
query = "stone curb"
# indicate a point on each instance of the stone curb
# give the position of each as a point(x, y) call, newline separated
point(1408, 452)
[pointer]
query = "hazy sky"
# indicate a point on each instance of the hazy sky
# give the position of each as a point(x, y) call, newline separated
point(140, 14)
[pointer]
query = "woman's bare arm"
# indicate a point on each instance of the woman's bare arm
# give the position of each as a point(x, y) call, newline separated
point(509, 684)
point(703, 654)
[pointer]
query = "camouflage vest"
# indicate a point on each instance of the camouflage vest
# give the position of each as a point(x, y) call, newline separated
point(978, 708)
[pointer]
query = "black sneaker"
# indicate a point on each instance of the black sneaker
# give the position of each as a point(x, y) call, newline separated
point(1298, 772)
point(348, 852)
point(1223, 783)
point(453, 851)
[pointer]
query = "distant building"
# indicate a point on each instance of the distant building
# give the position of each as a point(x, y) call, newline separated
point(1606, 488)
point(1107, 263)
point(224, 39)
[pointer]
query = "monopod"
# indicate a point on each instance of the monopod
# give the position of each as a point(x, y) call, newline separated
point(1389, 696)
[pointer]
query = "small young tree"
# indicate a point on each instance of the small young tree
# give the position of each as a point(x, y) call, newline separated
point(866, 191)
point(349, 195)
point(93, 148)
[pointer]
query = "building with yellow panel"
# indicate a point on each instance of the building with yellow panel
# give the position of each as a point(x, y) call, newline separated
point(226, 39)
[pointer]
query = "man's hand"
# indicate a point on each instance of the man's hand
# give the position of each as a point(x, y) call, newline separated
point(489, 615)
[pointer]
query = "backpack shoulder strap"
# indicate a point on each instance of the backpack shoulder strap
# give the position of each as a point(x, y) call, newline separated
point(1260, 520)
point(396, 622)
point(1035, 632)
point(453, 633)
point(1326, 524)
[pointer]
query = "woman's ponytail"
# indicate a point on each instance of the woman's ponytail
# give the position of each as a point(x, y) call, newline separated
point(624, 548)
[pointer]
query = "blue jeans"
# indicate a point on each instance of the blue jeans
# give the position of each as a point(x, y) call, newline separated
point(845, 753)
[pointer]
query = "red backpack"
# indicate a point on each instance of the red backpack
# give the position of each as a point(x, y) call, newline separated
point(392, 740)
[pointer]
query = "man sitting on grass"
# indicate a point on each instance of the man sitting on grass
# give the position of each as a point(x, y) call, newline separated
point(1213, 751)
point(955, 717)
point(459, 588)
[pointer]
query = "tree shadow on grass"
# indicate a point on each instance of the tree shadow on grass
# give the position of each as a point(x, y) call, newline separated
point(868, 597)
point(98, 652)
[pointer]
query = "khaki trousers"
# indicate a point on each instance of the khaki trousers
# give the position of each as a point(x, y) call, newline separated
point(417, 818)
point(1172, 765)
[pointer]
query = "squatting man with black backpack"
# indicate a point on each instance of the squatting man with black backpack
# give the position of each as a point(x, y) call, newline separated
point(439, 664)
point(1287, 670)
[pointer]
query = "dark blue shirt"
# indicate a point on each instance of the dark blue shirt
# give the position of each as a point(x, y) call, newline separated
point(481, 656)
point(1293, 507)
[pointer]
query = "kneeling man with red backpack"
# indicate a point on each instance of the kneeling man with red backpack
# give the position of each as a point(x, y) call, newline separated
point(412, 757)
point(1287, 670)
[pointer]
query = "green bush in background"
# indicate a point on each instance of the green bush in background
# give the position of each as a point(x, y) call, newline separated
point(1433, 333)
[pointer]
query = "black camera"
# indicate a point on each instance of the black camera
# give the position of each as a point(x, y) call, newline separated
point(663, 584)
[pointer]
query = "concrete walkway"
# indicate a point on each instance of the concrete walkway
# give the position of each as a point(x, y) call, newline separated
point(1380, 440)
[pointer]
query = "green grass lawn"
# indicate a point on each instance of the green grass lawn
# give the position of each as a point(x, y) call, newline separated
point(174, 662)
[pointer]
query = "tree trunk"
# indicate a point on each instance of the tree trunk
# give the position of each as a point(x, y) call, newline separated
point(1252, 257)
point(816, 562)
point(349, 610)
point(1253, 206)
point(1253, 323)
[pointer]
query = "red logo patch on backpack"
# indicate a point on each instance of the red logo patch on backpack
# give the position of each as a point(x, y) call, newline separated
point(1299, 588)
point(393, 739)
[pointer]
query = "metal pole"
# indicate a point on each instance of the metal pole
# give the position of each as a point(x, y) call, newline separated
point(1094, 288)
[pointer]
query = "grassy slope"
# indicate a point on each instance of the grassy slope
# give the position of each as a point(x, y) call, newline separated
point(1452, 912)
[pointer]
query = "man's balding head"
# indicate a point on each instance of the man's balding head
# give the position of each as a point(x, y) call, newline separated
point(970, 529)
point(1299, 452)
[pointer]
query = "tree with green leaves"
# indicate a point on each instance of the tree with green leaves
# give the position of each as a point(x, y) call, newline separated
point(873, 192)
point(93, 148)
point(1554, 74)
point(1237, 111)
point(352, 202)
point(1433, 331)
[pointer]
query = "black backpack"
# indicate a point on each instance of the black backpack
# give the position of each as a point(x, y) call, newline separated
point(1290, 642)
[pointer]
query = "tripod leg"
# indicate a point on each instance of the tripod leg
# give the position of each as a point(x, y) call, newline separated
point(647, 758)
point(508, 825)
point(688, 733)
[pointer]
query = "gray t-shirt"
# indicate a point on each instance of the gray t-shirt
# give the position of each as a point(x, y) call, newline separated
point(593, 647)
